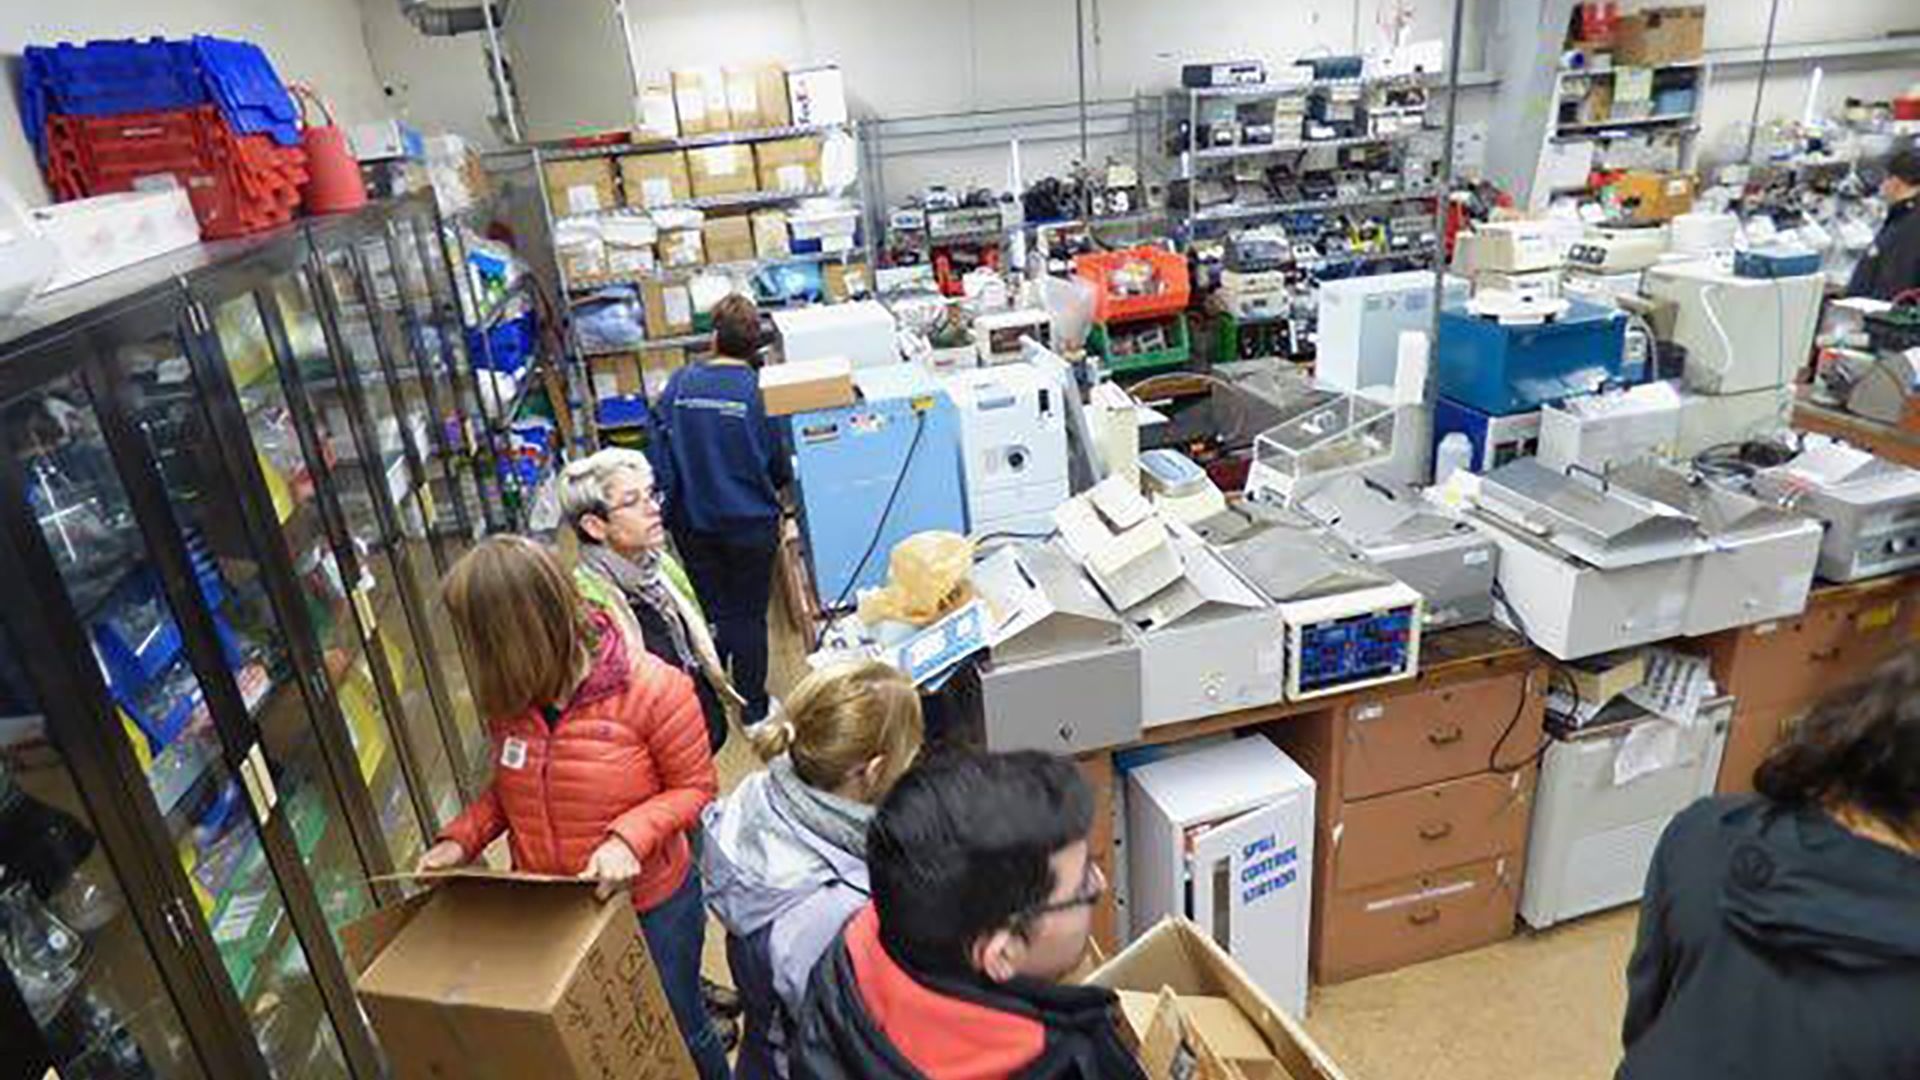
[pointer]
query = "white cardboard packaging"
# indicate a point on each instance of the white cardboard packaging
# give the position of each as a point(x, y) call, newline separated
point(102, 234)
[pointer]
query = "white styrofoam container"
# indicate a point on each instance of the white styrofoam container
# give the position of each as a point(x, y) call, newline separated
point(105, 233)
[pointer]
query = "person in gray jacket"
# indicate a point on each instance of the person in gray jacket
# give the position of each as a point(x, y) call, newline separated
point(783, 857)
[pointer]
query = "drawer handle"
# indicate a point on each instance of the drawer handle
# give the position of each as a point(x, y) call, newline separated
point(1438, 830)
point(1424, 916)
point(1446, 736)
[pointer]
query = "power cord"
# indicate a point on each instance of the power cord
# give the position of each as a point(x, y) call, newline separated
point(880, 527)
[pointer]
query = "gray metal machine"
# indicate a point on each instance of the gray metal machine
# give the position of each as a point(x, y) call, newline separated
point(1871, 507)
point(1448, 562)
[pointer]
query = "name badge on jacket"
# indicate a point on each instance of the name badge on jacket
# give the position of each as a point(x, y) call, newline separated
point(513, 754)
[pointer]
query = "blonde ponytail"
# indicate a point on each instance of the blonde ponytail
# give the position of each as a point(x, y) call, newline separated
point(842, 717)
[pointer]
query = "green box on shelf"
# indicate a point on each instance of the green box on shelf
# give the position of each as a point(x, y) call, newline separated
point(1177, 353)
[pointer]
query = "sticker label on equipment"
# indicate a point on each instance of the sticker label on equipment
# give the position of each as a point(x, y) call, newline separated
point(513, 754)
point(867, 423)
point(1474, 558)
point(1266, 868)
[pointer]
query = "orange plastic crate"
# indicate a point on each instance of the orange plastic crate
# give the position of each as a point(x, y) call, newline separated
point(1170, 270)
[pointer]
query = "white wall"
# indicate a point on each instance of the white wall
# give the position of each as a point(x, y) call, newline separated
point(318, 42)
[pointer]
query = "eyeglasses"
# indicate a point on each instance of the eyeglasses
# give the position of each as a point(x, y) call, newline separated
point(636, 499)
point(1093, 886)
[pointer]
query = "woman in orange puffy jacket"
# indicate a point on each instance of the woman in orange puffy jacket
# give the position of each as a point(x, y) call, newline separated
point(601, 764)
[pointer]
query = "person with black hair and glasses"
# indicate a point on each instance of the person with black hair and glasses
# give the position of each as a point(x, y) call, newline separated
point(983, 893)
point(719, 465)
point(1780, 932)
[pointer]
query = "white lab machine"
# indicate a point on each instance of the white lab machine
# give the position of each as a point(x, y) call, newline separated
point(1118, 538)
point(1740, 333)
point(1325, 434)
point(997, 335)
point(1447, 561)
point(1709, 420)
point(1594, 563)
point(1209, 643)
point(1224, 836)
point(1013, 446)
point(1360, 320)
point(1610, 428)
point(1181, 490)
point(864, 332)
point(1606, 793)
point(1870, 506)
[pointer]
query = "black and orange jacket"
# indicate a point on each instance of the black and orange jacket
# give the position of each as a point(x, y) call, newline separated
point(868, 1018)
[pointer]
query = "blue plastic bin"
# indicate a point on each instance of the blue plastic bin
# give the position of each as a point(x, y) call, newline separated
point(506, 348)
point(1505, 369)
point(242, 81)
point(106, 78)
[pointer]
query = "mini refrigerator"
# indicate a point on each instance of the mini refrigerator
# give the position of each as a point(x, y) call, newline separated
point(1597, 816)
point(1224, 836)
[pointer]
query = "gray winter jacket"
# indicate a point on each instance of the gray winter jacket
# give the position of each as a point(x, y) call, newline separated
point(776, 886)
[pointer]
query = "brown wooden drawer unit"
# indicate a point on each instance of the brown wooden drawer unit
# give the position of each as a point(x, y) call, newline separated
point(1450, 731)
point(1448, 824)
point(1414, 918)
point(1755, 729)
point(1841, 636)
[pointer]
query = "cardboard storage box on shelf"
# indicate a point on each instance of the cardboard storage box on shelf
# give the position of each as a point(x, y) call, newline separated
point(629, 243)
point(807, 385)
point(722, 170)
point(844, 281)
point(658, 120)
point(757, 96)
point(669, 309)
point(727, 239)
point(1653, 196)
point(657, 365)
point(788, 165)
point(700, 100)
point(580, 187)
point(681, 248)
point(1660, 35)
point(770, 235)
point(1194, 1013)
point(817, 96)
point(655, 180)
point(499, 975)
point(614, 374)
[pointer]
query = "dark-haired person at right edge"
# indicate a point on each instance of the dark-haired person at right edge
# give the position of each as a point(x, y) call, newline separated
point(1892, 265)
point(1780, 932)
point(719, 466)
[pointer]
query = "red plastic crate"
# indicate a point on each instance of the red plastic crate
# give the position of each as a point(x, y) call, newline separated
point(1170, 270)
point(236, 183)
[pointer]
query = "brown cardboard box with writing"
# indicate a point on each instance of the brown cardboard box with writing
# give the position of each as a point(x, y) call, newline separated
point(495, 975)
point(700, 99)
point(655, 180)
point(722, 170)
point(580, 187)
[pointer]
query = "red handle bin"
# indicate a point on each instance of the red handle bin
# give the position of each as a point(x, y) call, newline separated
point(1160, 283)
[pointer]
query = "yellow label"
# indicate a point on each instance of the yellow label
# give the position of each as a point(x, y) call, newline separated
point(1876, 618)
point(277, 490)
point(138, 740)
point(426, 506)
point(363, 604)
point(921, 403)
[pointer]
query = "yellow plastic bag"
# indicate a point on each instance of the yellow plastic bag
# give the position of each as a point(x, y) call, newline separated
point(926, 579)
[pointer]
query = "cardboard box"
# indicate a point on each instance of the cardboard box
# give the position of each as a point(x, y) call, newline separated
point(1660, 35)
point(700, 101)
point(728, 239)
point(845, 281)
point(614, 375)
point(770, 239)
point(817, 96)
point(680, 248)
point(655, 180)
point(499, 975)
point(789, 165)
point(629, 244)
point(669, 309)
point(1653, 196)
point(653, 105)
point(722, 170)
point(657, 365)
point(757, 96)
point(1219, 1020)
point(807, 385)
point(580, 187)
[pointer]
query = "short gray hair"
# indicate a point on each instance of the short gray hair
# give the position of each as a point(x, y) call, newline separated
point(582, 488)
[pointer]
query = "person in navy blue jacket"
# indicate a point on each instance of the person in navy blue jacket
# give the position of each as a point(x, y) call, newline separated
point(720, 465)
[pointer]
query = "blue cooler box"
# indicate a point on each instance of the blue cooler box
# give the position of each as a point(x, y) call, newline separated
point(1505, 369)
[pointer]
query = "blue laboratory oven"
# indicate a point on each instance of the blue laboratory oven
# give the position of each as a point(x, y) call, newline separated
point(871, 474)
point(1501, 369)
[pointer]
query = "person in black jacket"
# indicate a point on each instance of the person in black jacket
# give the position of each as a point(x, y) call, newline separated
point(983, 889)
point(1892, 265)
point(1780, 933)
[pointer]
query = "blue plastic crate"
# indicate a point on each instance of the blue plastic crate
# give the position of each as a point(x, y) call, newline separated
point(507, 347)
point(241, 79)
point(622, 410)
point(107, 78)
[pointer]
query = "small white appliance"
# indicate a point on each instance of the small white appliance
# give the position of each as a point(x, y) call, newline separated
point(1013, 442)
point(1605, 795)
point(1360, 321)
point(1740, 333)
point(997, 335)
point(1224, 836)
point(864, 332)
point(1180, 489)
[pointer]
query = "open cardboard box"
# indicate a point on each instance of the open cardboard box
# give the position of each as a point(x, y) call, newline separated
point(494, 974)
point(1194, 1013)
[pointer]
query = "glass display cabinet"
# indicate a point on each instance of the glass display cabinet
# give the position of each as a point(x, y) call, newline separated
point(230, 701)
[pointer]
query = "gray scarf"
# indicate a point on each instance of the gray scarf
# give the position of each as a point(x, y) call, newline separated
point(642, 581)
point(840, 822)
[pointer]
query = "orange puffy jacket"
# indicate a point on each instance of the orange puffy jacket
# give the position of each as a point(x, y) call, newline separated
point(627, 757)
